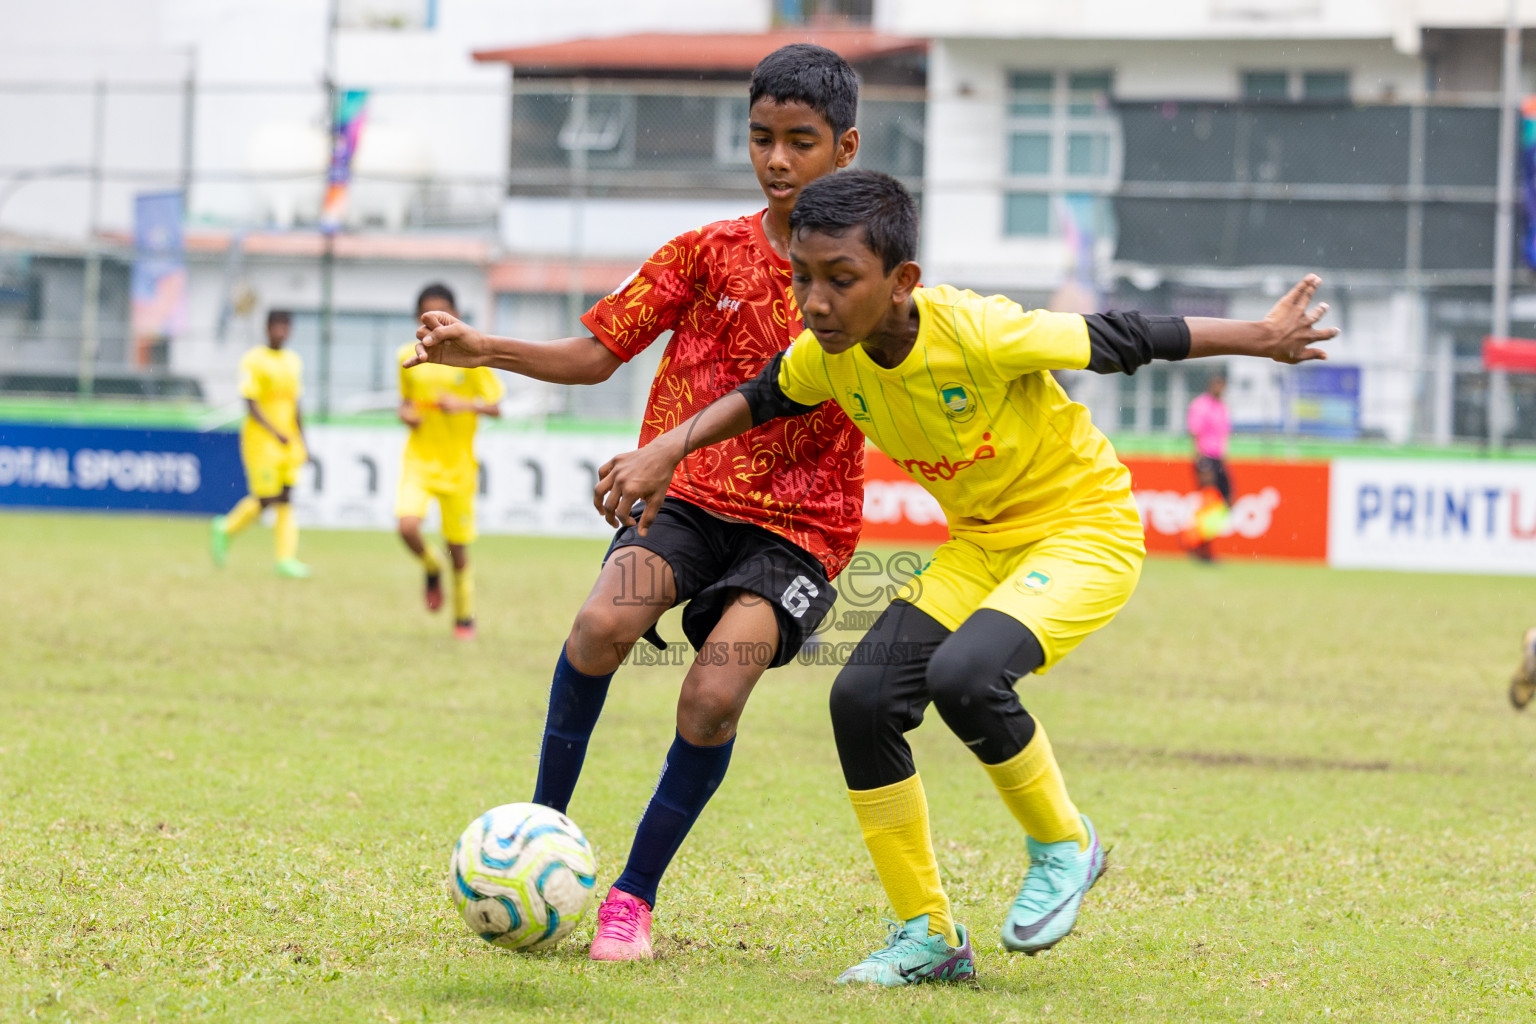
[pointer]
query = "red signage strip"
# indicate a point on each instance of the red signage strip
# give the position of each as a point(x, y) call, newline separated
point(1280, 509)
point(1515, 355)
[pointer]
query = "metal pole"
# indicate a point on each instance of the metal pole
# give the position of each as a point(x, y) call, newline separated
point(188, 130)
point(1504, 225)
point(90, 309)
point(328, 239)
point(580, 116)
point(574, 293)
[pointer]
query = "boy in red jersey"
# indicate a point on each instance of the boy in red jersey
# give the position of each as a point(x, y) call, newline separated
point(753, 530)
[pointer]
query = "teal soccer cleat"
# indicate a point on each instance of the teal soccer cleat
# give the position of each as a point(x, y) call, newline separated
point(912, 956)
point(1060, 875)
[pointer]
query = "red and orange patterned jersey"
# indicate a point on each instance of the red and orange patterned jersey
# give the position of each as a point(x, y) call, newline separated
point(724, 294)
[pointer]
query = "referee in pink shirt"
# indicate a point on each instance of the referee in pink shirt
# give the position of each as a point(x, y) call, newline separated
point(1210, 426)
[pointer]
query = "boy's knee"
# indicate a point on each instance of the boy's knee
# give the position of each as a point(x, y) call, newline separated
point(959, 677)
point(855, 698)
point(707, 713)
point(599, 636)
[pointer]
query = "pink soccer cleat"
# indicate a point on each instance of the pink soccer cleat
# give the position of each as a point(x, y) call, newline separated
point(623, 928)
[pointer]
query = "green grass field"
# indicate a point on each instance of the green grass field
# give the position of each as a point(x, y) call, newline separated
point(224, 796)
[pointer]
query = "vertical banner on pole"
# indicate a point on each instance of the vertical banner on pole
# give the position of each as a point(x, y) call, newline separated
point(345, 132)
point(1528, 180)
point(159, 281)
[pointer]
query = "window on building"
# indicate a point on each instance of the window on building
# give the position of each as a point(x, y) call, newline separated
point(603, 127)
point(1027, 214)
point(684, 127)
point(1284, 86)
point(1266, 86)
point(1325, 85)
point(1062, 152)
point(407, 15)
point(733, 137)
point(823, 12)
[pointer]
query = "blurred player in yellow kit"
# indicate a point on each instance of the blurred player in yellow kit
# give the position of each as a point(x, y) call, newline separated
point(271, 446)
point(442, 405)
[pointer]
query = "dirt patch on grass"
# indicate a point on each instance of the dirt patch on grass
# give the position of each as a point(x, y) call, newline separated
point(1268, 762)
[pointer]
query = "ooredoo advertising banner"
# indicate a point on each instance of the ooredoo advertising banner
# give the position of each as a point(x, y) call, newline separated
point(895, 507)
point(1279, 509)
point(1441, 515)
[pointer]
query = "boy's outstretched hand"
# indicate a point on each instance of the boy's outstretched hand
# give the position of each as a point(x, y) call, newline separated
point(444, 338)
point(641, 475)
point(1292, 325)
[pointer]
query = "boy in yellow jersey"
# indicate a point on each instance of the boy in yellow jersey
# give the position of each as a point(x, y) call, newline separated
point(1045, 544)
point(271, 446)
point(442, 405)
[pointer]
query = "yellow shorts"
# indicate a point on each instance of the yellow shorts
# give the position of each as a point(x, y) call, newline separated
point(1062, 588)
point(457, 507)
point(265, 477)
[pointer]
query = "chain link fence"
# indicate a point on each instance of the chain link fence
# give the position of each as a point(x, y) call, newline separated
point(1202, 208)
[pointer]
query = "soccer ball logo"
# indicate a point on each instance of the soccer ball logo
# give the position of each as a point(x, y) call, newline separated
point(521, 876)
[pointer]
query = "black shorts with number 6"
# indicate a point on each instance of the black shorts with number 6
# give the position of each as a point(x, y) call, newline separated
point(711, 556)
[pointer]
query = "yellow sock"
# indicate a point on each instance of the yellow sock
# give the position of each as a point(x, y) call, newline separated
point(246, 511)
point(286, 533)
point(464, 594)
point(894, 820)
point(429, 560)
point(1030, 783)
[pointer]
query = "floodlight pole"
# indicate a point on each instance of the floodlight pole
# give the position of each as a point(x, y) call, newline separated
point(90, 309)
point(1504, 224)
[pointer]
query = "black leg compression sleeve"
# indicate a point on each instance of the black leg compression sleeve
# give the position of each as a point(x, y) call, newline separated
point(881, 694)
point(971, 678)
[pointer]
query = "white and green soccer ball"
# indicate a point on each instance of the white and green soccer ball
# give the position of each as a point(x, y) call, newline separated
point(521, 876)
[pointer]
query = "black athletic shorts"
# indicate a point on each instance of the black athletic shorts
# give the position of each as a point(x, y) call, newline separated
point(711, 556)
point(1207, 467)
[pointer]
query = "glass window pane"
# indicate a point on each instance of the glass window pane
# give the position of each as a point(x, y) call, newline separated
point(1091, 217)
point(1027, 214)
point(1088, 154)
point(1089, 93)
point(732, 135)
point(1325, 85)
point(1029, 153)
point(1266, 86)
point(1030, 93)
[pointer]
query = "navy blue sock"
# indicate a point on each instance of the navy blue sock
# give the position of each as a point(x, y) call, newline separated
point(575, 701)
point(689, 778)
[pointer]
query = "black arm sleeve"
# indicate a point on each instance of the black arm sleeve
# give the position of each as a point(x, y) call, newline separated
point(1121, 342)
point(765, 399)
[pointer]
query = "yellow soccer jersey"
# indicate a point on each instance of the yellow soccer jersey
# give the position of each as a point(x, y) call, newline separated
point(272, 378)
point(441, 451)
point(972, 415)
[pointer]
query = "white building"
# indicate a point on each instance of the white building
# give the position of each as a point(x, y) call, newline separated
point(226, 99)
point(1190, 156)
point(1050, 119)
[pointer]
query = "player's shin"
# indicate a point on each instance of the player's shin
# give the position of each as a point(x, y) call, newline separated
point(286, 533)
point(575, 702)
point(430, 563)
point(1031, 786)
point(464, 594)
point(689, 778)
point(246, 511)
point(894, 820)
